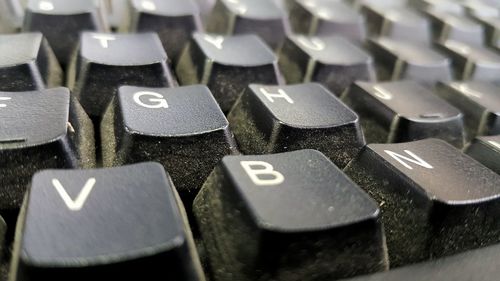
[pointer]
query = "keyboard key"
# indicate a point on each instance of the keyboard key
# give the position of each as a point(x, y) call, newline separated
point(330, 60)
point(480, 103)
point(480, 9)
point(124, 223)
point(477, 265)
point(404, 111)
point(435, 200)
point(189, 145)
point(271, 119)
point(173, 20)
point(40, 130)
point(290, 216)
point(440, 6)
point(326, 17)
point(396, 23)
point(61, 22)
point(116, 12)
point(397, 59)
point(492, 31)
point(487, 151)
point(11, 16)
point(261, 17)
point(472, 62)
point(227, 65)
point(448, 26)
point(106, 61)
point(27, 63)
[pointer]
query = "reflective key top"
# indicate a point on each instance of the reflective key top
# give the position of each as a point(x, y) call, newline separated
point(480, 103)
point(330, 60)
point(61, 22)
point(27, 63)
point(396, 23)
point(106, 61)
point(261, 17)
point(189, 145)
point(397, 59)
point(448, 26)
point(472, 62)
point(173, 20)
point(291, 216)
point(124, 223)
point(435, 200)
point(270, 119)
point(40, 130)
point(404, 111)
point(326, 17)
point(227, 65)
point(486, 150)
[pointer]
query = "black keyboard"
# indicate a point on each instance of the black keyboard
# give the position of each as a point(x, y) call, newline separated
point(250, 140)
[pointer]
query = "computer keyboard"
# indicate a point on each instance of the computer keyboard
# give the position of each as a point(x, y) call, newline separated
point(250, 140)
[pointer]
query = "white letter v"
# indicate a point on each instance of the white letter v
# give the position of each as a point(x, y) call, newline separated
point(77, 204)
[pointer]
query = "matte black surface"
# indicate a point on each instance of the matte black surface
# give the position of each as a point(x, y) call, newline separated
point(486, 150)
point(435, 200)
point(306, 217)
point(270, 119)
point(404, 111)
point(27, 63)
point(106, 237)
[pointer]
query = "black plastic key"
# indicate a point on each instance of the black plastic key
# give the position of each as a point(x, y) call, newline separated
point(487, 151)
point(449, 26)
point(40, 130)
point(182, 128)
point(27, 63)
point(326, 17)
point(227, 64)
point(398, 59)
point(173, 20)
point(61, 22)
point(106, 61)
point(330, 60)
point(472, 62)
point(404, 111)
point(397, 23)
point(480, 103)
point(261, 17)
point(435, 200)
point(271, 119)
point(292, 216)
point(125, 223)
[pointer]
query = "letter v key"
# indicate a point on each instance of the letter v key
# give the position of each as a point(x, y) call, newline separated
point(74, 205)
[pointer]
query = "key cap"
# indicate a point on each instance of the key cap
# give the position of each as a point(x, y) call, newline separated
point(448, 26)
point(396, 23)
point(441, 6)
point(404, 111)
point(40, 130)
point(480, 103)
point(290, 216)
point(271, 119)
point(11, 15)
point(472, 62)
point(27, 63)
point(227, 64)
point(330, 60)
point(492, 31)
point(61, 23)
point(480, 9)
point(116, 12)
point(326, 17)
point(173, 20)
point(189, 145)
point(106, 61)
point(261, 17)
point(124, 223)
point(486, 150)
point(477, 265)
point(435, 200)
point(397, 59)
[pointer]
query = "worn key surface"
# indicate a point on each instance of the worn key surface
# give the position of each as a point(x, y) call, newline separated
point(124, 223)
point(435, 200)
point(290, 216)
point(270, 119)
point(27, 63)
